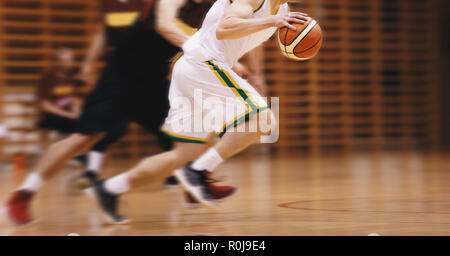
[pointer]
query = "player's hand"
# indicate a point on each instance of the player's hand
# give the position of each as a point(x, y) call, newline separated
point(240, 70)
point(286, 20)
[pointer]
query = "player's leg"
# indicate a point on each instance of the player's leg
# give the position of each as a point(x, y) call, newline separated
point(64, 126)
point(47, 166)
point(231, 143)
point(182, 96)
point(95, 157)
point(149, 170)
point(162, 165)
point(101, 111)
point(152, 123)
point(166, 144)
point(159, 166)
point(155, 99)
point(235, 91)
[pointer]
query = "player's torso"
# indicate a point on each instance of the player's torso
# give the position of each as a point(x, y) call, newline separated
point(118, 15)
point(255, 39)
point(139, 42)
point(229, 51)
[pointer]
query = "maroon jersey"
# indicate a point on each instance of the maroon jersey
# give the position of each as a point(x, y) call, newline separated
point(120, 14)
point(59, 88)
point(139, 45)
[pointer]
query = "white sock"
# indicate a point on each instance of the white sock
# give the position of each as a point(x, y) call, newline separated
point(118, 184)
point(94, 161)
point(33, 182)
point(208, 161)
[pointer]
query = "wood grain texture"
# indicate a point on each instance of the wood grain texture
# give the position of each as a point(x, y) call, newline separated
point(353, 194)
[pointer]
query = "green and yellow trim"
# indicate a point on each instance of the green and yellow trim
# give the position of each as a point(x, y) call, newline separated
point(259, 8)
point(182, 138)
point(227, 80)
point(239, 119)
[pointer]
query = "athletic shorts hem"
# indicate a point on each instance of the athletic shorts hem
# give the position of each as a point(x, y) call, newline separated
point(182, 138)
point(240, 119)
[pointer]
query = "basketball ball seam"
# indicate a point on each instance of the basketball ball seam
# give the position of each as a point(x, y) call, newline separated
point(310, 47)
point(298, 40)
point(293, 53)
point(302, 32)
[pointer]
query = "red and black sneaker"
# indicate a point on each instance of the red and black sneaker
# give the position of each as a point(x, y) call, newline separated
point(195, 182)
point(18, 207)
point(218, 193)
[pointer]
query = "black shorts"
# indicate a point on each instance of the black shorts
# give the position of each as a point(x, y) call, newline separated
point(58, 123)
point(120, 98)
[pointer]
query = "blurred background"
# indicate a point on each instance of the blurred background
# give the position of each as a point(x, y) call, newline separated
point(379, 82)
point(363, 127)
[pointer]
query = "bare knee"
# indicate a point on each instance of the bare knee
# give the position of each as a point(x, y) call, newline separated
point(187, 152)
point(172, 159)
point(77, 143)
point(162, 165)
point(267, 123)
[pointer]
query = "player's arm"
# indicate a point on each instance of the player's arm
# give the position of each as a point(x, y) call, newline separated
point(166, 13)
point(237, 21)
point(95, 49)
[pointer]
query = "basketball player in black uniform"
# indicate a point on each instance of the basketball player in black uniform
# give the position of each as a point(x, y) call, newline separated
point(132, 87)
point(117, 16)
point(60, 101)
point(59, 97)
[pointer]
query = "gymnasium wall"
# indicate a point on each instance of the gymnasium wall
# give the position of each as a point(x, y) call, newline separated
point(30, 32)
point(374, 85)
point(444, 64)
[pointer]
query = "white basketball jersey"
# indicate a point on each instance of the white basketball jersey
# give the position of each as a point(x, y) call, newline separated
point(204, 45)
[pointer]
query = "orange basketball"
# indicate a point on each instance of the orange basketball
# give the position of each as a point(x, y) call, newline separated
point(303, 43)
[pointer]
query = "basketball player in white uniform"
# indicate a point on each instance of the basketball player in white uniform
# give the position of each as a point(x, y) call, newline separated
point(231, 29)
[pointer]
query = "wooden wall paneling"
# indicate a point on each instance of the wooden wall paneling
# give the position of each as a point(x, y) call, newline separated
point(372, 86)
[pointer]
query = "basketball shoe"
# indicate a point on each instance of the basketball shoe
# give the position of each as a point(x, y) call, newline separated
point(196, 184)
point(218, 193)
point(108, 203)
point(18, 207)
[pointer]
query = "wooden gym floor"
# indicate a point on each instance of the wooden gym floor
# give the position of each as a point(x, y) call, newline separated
point(355, 194)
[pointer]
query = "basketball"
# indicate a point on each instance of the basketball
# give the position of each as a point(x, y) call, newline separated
point(303, 43)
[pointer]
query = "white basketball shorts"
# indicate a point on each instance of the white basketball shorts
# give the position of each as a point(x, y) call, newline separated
point(205, 98)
